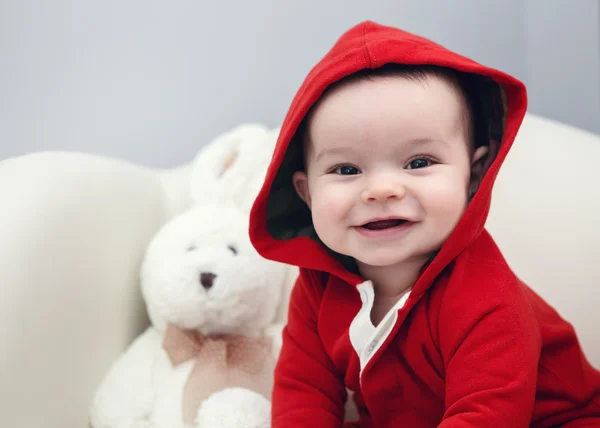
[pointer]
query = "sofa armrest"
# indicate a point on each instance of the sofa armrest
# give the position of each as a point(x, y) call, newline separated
point(73, 229)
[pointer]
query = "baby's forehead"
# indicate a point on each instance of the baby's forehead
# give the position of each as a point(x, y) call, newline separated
point(385, 106)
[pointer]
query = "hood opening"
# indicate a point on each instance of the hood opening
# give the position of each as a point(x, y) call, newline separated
point(280, 223)
point(288, 217)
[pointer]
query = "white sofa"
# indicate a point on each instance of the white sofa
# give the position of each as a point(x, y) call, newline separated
point(74, 227)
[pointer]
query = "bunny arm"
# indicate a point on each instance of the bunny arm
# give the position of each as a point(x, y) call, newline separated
point(234, 408)
point(125, 397)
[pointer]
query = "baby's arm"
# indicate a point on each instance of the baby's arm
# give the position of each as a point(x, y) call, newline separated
point(490, 341)
point(308, 390)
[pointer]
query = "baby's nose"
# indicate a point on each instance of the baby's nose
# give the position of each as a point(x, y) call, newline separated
point(206, 279)
point(382, 190)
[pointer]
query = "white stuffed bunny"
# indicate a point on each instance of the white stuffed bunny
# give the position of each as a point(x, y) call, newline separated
point(217, 308)
point(207, 359)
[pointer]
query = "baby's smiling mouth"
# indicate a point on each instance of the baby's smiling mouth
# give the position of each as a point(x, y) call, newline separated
point(384, 224)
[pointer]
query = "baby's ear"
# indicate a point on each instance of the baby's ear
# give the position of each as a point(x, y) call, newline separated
point(480, 162)
point(300, 180)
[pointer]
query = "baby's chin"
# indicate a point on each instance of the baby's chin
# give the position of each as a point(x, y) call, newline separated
point(379, 262)
point(380, 256)
point(372, 258)
point(389, 259)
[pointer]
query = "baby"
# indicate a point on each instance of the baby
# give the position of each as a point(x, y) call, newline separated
point(379, 190)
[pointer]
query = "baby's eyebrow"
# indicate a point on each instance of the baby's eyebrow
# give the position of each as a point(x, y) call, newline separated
point(347, 150)
point(422, 141)
point(334, 151)
point(427, 142)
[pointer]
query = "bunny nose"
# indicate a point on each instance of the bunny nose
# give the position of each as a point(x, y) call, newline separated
point(206, 279)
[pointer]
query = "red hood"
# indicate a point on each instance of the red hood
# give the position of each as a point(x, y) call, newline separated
point(280, 224)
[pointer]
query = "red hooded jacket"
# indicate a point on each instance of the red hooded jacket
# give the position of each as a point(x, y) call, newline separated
point(470, 346)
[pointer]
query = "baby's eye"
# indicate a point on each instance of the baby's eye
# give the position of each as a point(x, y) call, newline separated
point(346, 170)
point(232, 249)
point(419, 163)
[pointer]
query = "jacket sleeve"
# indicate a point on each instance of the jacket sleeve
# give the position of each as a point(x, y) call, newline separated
point(490, 342)
point(308, 391)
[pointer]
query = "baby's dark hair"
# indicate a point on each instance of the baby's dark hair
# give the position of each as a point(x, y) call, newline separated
point(473, 120)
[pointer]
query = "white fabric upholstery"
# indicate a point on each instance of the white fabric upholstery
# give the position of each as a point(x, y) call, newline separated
point(545, 217)
point(74, 227)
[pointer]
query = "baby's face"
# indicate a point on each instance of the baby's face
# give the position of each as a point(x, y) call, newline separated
point(388, 167)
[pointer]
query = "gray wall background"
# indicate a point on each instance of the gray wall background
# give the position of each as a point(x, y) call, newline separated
point(151, 81)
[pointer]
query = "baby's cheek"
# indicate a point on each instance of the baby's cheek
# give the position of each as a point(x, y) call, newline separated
point(447, 197)
point(332, 202)
point(333, 206)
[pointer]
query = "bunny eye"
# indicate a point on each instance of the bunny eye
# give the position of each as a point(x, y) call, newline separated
point(232, 249)
point(191, 248)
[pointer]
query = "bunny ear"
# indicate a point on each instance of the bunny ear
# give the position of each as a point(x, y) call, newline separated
point(210, 165)
point(245, 178)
